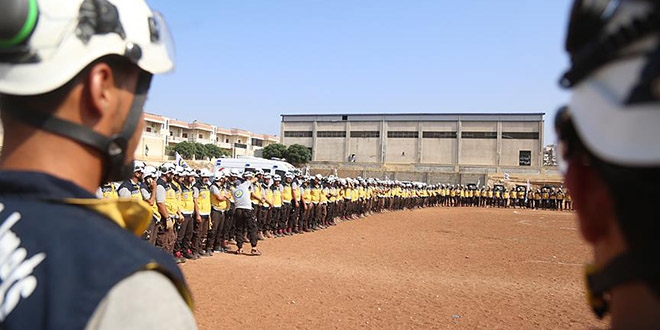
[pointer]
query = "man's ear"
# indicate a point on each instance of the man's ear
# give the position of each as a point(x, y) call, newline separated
point(592, 199)
point(98, 94)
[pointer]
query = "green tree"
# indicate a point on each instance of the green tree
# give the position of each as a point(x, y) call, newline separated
point(200, 151)
point(276, 150)
point(185, 149)
point(213, 151)
point(297, 154)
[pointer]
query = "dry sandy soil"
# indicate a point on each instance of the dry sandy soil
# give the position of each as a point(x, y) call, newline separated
point(436, 268)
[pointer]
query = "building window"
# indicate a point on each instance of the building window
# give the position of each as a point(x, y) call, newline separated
point(171, 134)
point(240, 145)
point(525, 158)
point(438, 135)
point(298, 134)
point(226, 140)
point(148, 129)
point(479, 135)
point(344, 117)
point(365, 134)
point(184, 135)
point(403, 134)
point(521, 135)
point(200, 136)
point(331, 134)
point(257, 142)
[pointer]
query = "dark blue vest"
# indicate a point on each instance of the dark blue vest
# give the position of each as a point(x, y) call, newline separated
point(64, 258)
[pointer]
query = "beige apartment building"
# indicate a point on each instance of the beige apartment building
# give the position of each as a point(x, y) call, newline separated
point(160, 132)
point(482, 143)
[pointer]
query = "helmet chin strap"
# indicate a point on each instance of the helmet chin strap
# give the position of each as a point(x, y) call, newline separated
point(113, 148)
point(625, 268)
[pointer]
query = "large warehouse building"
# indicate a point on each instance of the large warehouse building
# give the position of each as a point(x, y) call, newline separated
point(489, 141)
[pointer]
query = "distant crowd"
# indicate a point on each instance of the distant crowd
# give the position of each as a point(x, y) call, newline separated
point(197, 213)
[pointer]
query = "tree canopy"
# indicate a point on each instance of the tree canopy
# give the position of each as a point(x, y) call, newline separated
point(276, 150)
point(297, 154)
point(200, 151)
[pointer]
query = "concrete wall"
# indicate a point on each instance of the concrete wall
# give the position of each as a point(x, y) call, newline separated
point(366, 150)
point(156, 145)
point(307, 142)
point(478, 152)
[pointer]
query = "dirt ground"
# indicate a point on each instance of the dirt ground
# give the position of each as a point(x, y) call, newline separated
point(435, 268)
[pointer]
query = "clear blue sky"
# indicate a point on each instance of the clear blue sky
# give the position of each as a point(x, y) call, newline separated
point(242, 63)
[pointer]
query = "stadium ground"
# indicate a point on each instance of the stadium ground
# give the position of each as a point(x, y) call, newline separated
point(436, 268)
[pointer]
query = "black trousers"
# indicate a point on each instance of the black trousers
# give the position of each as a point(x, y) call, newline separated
point(245, 220)
point(184, 235)
point(217, 228)
point(284, 216)
point(200, 232)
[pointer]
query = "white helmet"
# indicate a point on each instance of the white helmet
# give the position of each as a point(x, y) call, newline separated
point(248, 174)
point(218, 175)
point(55, 40)
point(613, 75)
point(150, 171)
point(204, 173)
point(179, 170)
point(138, 166)
point(167, 168)
point(277, 177)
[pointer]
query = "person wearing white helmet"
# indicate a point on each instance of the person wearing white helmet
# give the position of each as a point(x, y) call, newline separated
point(244, 218)
point(220, 204)
point(168, 204)
point(130, 188)
point(266, 207)
point(277, 226)
point(608, 146)
point(74, 77)
point(202, 200)
point(184, 233)
point(288, 205)
point(148, 191)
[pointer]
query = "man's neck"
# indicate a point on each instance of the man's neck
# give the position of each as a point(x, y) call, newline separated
point(634, 306)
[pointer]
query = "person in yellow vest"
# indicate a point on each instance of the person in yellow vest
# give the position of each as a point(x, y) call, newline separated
point(308, 207)
point(560, 199)
point(216, 241)
point(148, 191)
point(266, 206)
point(257, 195)
point(277, 225)
point(324, 203)
point(187, 202)
point(202, 199)
point(569, 200)
point(168, 208)
point(107, 191)
point(288, 206)
point(315, 192)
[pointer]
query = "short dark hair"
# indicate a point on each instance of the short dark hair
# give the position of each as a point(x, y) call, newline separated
point(119, 65)
point(635, 191)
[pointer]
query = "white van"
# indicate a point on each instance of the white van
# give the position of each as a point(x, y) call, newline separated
point(251, 164)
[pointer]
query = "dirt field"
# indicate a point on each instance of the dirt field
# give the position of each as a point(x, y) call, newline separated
point(438, 268)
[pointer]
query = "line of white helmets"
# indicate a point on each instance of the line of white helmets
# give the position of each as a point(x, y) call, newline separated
point(153, 172)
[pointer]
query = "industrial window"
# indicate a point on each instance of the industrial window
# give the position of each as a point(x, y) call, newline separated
point(521, 135)
point(297, 134)
point(331, 134)
point(479, 135)
point(344, 117)
point(525, 158)
point(438, 135)
point(403, 134)
point(365, 134)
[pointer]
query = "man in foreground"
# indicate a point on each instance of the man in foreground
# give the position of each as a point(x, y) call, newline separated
point(609, 143)
point(72, 114)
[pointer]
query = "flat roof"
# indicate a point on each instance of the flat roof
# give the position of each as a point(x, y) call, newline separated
point(413, 117)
